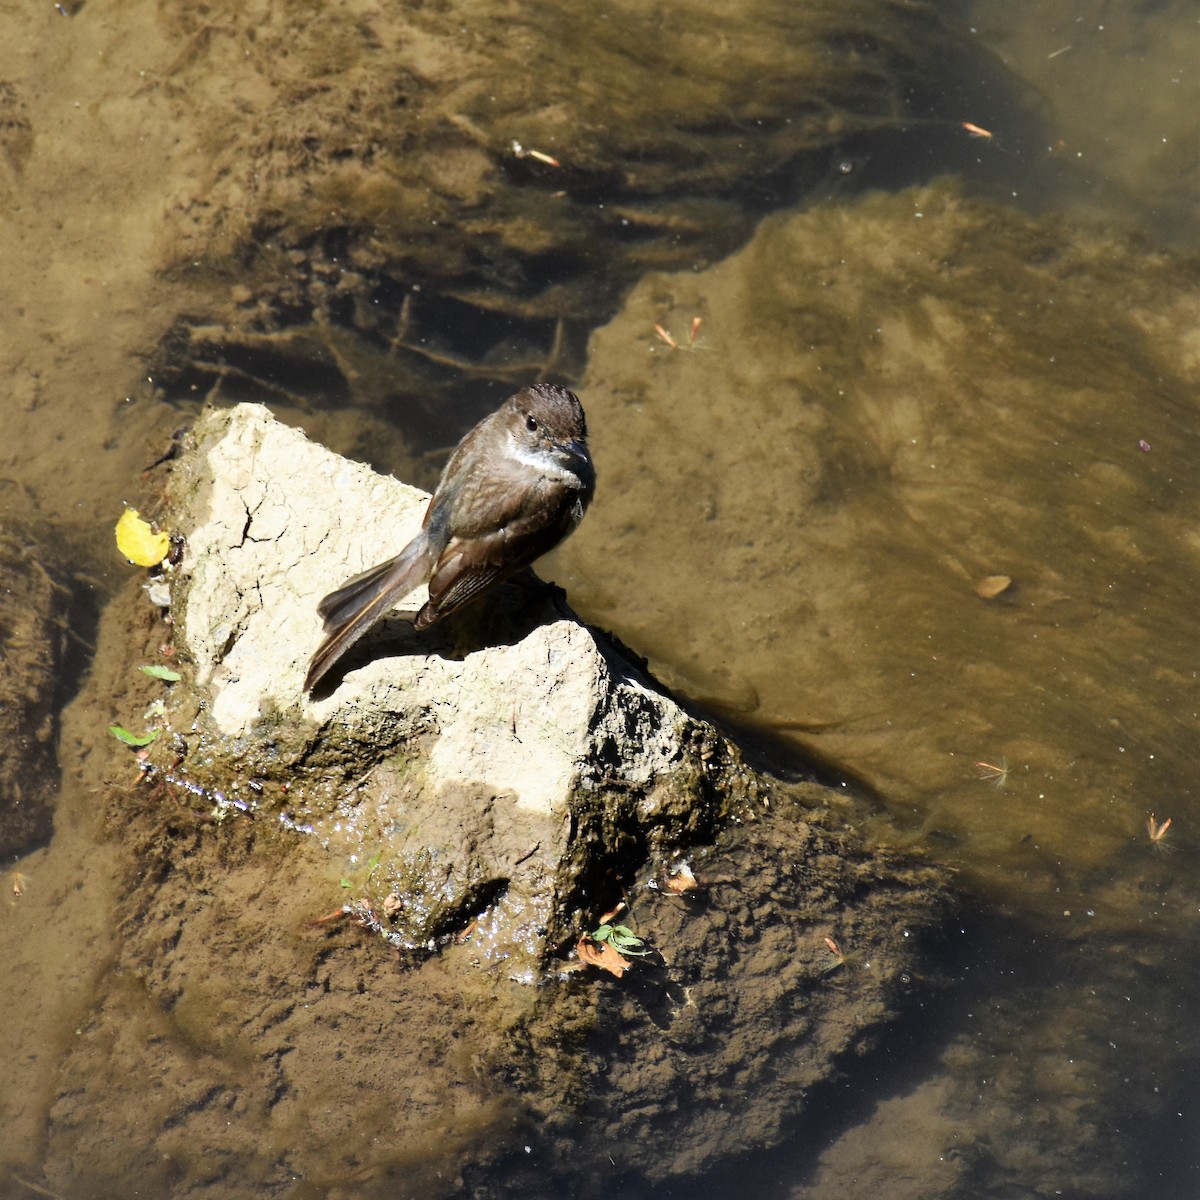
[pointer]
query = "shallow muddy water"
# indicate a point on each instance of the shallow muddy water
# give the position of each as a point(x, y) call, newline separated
point(893, 396)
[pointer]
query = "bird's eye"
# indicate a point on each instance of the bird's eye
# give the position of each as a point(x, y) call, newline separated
point(531, 424)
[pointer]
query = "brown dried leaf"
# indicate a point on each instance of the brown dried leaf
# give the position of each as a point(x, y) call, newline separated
point(681, 881)
point(990, 586)
point(602, 955)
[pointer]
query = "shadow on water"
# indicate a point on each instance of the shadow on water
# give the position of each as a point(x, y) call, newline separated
point(351, 319)
point(959, 1098)
point(981, 957)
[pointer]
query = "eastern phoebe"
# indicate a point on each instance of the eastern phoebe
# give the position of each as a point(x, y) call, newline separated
point(514, 487)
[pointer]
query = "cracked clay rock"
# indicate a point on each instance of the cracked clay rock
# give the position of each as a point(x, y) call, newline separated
point(492, 766)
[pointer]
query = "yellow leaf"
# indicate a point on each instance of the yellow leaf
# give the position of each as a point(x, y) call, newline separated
point(138, 542)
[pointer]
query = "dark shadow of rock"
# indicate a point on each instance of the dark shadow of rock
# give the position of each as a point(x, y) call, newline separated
point(35, 612)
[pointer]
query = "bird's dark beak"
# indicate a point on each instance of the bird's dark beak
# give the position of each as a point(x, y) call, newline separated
point(575, 449)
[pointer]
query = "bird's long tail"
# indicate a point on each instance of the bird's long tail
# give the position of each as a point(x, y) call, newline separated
point(362, 601)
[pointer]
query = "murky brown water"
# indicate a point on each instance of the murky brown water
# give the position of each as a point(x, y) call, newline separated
point(1068, 464)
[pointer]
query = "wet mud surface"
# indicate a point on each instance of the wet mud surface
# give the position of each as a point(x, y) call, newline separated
point(237, 1042)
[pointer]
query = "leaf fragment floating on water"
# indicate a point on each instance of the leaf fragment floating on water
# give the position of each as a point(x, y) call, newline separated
point(990, 586)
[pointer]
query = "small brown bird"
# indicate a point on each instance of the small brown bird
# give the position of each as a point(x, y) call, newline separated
point(514, 487)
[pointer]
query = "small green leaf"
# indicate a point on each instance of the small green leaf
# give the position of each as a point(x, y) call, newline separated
point(373, 862)
point(622, 939)
point(159, 672)
point(133, 739)
point(344, 882)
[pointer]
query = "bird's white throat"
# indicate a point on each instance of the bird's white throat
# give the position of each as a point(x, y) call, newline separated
point(542, 460)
